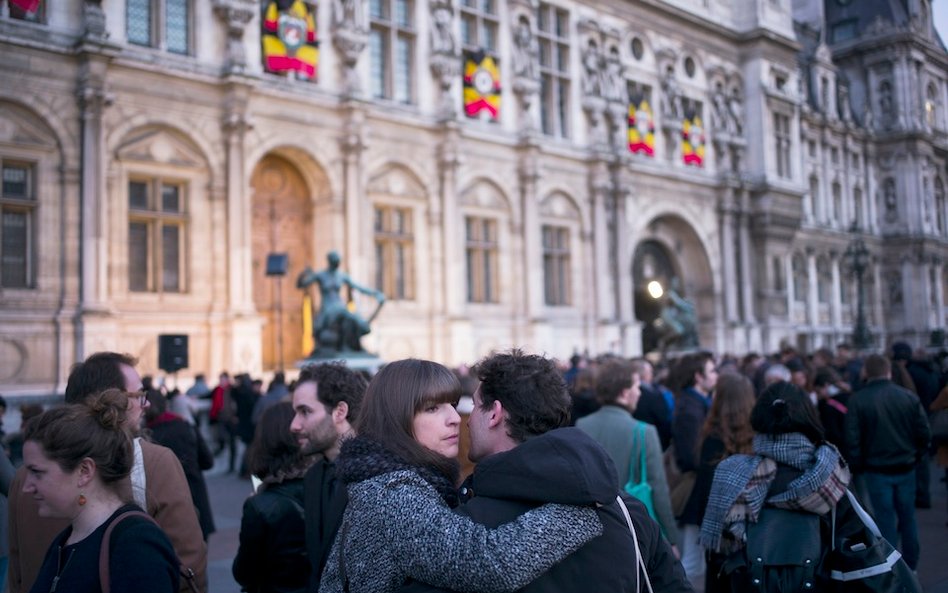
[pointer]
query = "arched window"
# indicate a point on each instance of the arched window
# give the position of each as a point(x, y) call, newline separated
point(824, 280)
point(800, 284)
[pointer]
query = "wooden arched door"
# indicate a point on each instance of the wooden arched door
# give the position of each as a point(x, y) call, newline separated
point(282, 223)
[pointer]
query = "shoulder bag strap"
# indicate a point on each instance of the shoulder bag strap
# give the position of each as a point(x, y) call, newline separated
point(640, 568)
point(644, 442)
point(104, 548)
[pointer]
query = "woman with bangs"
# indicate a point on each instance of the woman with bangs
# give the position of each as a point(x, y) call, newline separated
point(401, 473)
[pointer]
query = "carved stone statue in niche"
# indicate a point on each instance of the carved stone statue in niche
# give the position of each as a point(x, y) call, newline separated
point(526, 50)
point(671, 96)
point(894, 282)
point(720, 112)
point(890, 200)
point(442, 37)
point(592, 75)
point(349, 14)
point(735, 120)
point(842, 100)
point(613, 81)
point(885, 100)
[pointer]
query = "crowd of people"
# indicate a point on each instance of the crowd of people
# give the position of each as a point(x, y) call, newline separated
point(610, 475)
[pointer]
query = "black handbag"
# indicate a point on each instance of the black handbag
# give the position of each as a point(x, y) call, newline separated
point(865, 562)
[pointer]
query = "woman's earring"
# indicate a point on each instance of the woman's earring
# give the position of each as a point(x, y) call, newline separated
point(82, 500)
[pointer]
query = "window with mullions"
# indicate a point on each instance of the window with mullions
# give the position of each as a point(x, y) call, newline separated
point(482, 249)
point(157, 221)
point(394, 252)
point(782, 144)
point(553, 37)
point(479, 25)
point(392, 49)
point(164, 24)
point(556, 269)
point(17, 213)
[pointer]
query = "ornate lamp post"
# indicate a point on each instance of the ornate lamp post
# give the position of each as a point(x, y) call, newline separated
point(859, 262)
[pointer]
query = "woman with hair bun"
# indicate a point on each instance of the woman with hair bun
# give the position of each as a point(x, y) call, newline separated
point(78, 458)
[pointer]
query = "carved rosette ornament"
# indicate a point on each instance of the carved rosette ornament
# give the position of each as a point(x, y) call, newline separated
point(235, 15)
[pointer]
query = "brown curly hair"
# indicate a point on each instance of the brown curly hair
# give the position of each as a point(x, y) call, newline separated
point(730, 416)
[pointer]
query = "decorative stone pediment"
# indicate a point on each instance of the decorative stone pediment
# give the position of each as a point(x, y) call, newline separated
point(558, 205)
point(397, 181)
point(485, 195)
point(160, 146)
point(19, 127)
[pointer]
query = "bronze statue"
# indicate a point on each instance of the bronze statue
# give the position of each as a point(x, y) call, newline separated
point(678, 321)
point(337, 330)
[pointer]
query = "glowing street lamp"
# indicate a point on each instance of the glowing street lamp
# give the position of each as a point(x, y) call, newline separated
point(655, 289)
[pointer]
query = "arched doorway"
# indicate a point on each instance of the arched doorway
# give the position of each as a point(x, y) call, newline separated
point(672, 274)
point(282, 223)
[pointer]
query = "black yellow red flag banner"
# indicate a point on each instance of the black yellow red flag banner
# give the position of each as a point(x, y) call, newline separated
point(289, 37)
point(481, 85)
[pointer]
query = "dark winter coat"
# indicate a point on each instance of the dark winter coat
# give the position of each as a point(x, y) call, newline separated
point(653, 410)
point(325, 502)
point(272, 553)
point(189, 447)
point(886, 428)
point(568, 466)
point(398, 525)
point(712, 452)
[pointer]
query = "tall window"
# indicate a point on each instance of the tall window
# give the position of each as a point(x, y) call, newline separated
point(392, 49)
point(858, 208)
point(813, 198)
point(556, 270)
point(479, 25)
point(17, 211)
point(800, 283)
point(824, 280)
point(940, 205)
point(156, 235)
point(482, 249)
point(931, 105)
point(837, 204)
point(394, 243)
point(165, 24)
point(553, 36)
point(782, 144)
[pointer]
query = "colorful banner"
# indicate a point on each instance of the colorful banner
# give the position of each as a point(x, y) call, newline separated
point(641, 125)
point(481, 85)
point(692, 138)
point(26, 5)
point(289, 37)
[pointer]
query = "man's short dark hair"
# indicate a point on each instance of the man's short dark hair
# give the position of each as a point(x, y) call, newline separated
point(683, 373)
point(97, 373)
point(530, 388)
point(876, 367)
point(613, 378)
point(336, 383)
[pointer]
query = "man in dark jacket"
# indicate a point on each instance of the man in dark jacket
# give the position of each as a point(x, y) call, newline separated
point(525, 459)
point(326, 401)
point(886, 431)
point(652, 408)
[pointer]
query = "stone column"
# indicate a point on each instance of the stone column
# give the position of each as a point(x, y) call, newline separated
point(93, 98)
point(235, 126)
point(812, 299)
point(447, 238)
point(746, 254)
point(600, 188)
point(836, 304)
point(532, 279)
point(352, 145)
point(726, 216)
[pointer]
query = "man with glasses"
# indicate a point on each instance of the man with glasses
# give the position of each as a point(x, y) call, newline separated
point(157, 481)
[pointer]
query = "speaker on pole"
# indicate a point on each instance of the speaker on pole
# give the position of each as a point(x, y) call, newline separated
point(172, 352)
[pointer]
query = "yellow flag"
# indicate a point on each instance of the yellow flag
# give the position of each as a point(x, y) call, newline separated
point(308, 343)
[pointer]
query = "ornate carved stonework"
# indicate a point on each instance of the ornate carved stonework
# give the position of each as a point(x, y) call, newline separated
point(445, 60)
point(235, 14)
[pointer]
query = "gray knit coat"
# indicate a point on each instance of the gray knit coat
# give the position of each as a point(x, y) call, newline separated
point(397, 526)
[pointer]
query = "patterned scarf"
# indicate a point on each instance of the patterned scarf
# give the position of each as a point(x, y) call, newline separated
point(741, 483)
point(361, 458)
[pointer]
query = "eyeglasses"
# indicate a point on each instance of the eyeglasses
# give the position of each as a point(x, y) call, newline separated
point(141, 395)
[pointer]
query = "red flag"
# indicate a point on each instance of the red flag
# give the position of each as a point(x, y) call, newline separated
point(27, 5)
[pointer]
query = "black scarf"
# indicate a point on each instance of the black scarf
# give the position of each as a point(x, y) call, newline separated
point(362, 458)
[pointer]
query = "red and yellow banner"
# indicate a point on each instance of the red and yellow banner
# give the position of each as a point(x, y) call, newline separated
point(641, 126)
point(289, 37)
point(692, 140)
point(481, 85)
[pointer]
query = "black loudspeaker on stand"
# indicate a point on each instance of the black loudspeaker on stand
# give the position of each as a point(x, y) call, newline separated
point(172, 352)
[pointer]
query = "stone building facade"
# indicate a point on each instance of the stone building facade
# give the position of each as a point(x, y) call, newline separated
point(508, 172)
